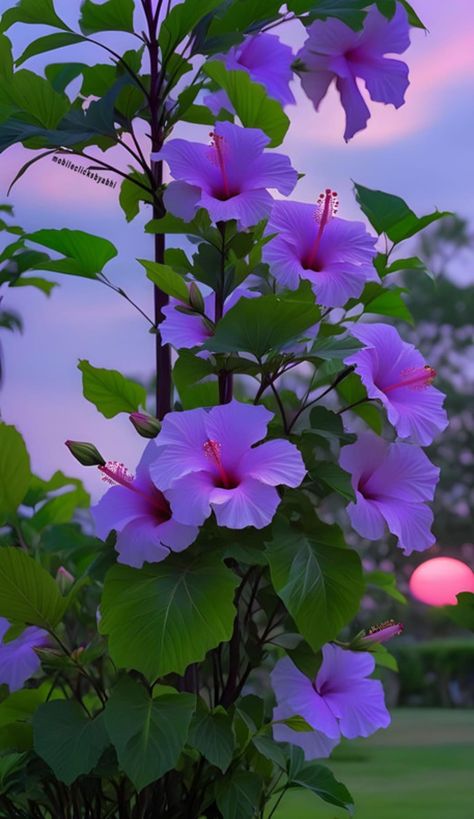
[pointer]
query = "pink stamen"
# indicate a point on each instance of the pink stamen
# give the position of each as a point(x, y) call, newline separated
point(212, 450)
point(217, 156)
point(116, 473)
point(326, 208)
point(417, 378)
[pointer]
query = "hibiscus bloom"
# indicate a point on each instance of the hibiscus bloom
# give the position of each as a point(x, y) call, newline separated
point(140, 514)
point(18, 658)
point(340, 701)
point(267, 61)
point(396, 373)
point(333, 51)
point(392, 484)
point(229, 178)
point(311, 243)
point(207, 463)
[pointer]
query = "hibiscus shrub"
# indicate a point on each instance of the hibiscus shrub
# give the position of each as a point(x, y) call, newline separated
point(187, 650)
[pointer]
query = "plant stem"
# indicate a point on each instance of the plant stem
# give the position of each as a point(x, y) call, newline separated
point(224, 377)
point(355, 404)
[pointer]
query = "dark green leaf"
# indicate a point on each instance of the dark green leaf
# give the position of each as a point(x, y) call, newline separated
point(110, 391)
point(351, 12)
point(390, 303)
point(328, 425)
point(212, 735)
point(260, 325)
point(254, 107)
point(14, 471)
point(32, 11)
point(386, 582)
point(113, 15)
point(68, 740)
point(320, 585)
point(330, 474)
point(132, 194)
point(321, 781)
point(148, 734)
point(270, 749)
point(28, 594)
point(188, 372)
point(29, 95)
point(413, 18)
point(165, 278)
point(463, 612)
point(336, 346)
point(180, 22)
point(352, 390)
point(84, 254)
point(61, 74)
point(49, 43)
point(391, 215)
point(167, 615)
point(238, 796)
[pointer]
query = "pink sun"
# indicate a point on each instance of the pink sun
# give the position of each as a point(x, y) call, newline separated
point(437, 581)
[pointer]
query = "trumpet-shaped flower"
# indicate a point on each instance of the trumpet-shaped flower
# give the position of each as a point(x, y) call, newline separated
point(229, 177)
point(392, 484)
point(18, 658)
point(207, 462)
point(140, 514)
point(267, 61)
point(396, 373)
point(335, 255)
point(340, 701)
point(334, 52)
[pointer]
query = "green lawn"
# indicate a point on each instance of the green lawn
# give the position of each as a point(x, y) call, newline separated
point(422, 767)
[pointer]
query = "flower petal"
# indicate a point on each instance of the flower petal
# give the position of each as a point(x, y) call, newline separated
point(315, 744)
point(143, 541)
point(385, 80)
point(406, 474)
point(248, 207)
point(292, 688)
point(236, 426)
point(357, 113)
point(182, 199)
point(366, 518)
point(251, 503)
point(274, 462)
point(274, 171)
point(116, 508)
point(180, 447)
point(180, 330)
point(410, 522)
point(191, 162)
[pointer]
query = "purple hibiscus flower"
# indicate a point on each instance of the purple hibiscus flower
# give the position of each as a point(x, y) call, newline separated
point(18, 658)
point(396, 373)
point(207, 462)
point(311, 243)
point(392, 483)
point(267, 61)
point(188, 330)
point(229, 178)
point(341, 701)
point(140, 513)
point(333, 51)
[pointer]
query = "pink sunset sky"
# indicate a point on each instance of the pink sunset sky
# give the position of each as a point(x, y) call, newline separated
point(422, 152)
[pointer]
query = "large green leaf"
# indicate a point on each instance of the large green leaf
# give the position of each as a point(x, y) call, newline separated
point(113, 15)
point(28, 594)
point(260, 325)
point(166, 279)
point(83, 253)
point(463, 612)
point(32, 11)
point(320, 585)
point(321, 781)
point(131, 195)
point(168, 615)
point(351, 12)
point(110, 391)
point(68, 740)
point(148, 734)
point(391, 215)
point(188, 372)
point(31, 96)
point(14, 471)
point(254, 107)
point(212, 735)
point(49, 43)
point(336, 346)
point(238, 796)
point(180, 21)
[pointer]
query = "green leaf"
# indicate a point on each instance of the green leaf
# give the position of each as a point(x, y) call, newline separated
point(352, 390)
point(463, 612)
point(28, 594)
point(413, 18)
point(335, 346)
point(166, 279)
point(32, 98)
point(330, 474)
point(212, 735)
point(320, 585)
point(298, 724)
point(39, 12)
point(270, 749)
point(391, 215)
point(321, 781)
point(61, 74)
point(131, 195)
point(83, 253)
point(351, 12)
point(168, 615)
point(148, 734)
point(113, 15)
point(49, 43)
point(254, 107)
point(188, 372)
point(260, 325)
point(238, 796)
point(390, 303)
point(14, 471)
point(386, 582)
point(110, 391)
point(68, 740)
point(180, 22)
point(328, 425)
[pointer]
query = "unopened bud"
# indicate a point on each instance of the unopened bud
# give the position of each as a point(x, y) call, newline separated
point(146, 425)
point(64, 579)
point(87, 454)
point(377, 634)
point(195, 298)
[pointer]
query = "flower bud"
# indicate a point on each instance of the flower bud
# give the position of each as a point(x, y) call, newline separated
point(64, 579)
point(146, 425)
point(195, 298)
point(87, 454)
point(380, 634)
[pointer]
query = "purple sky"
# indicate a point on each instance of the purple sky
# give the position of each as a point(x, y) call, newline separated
point(422, 152)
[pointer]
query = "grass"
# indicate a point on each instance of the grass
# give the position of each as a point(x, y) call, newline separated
point(422, 767)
